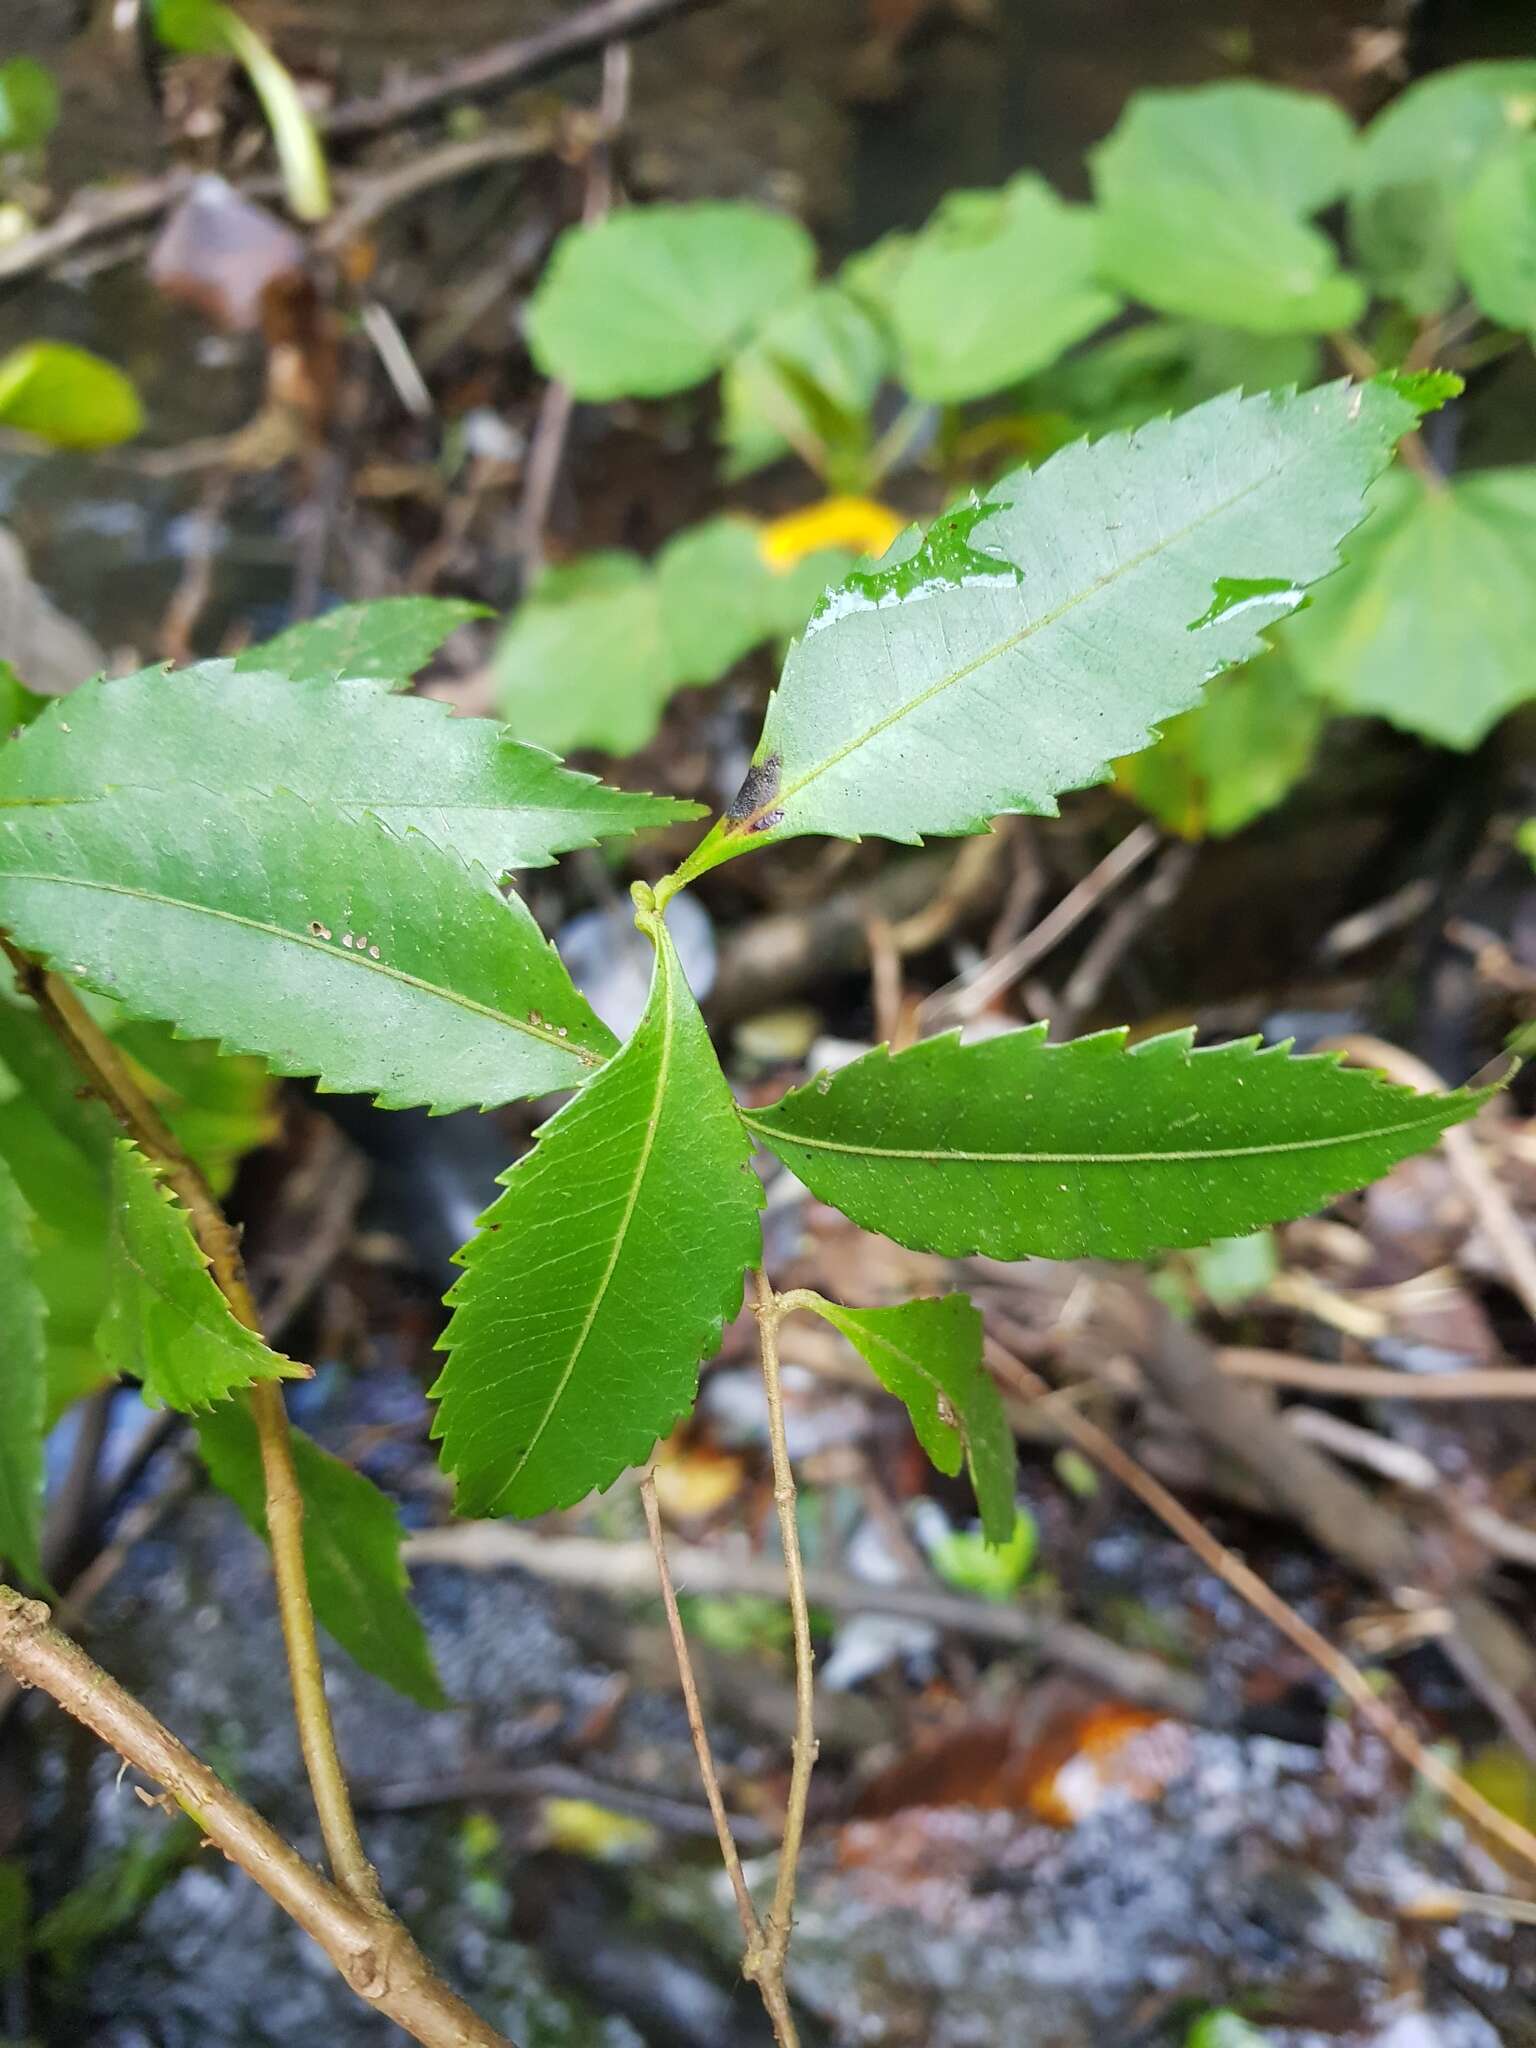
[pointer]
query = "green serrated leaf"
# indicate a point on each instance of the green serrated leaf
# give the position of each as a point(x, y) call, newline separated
point(166, 1323)
point(998, 285)
point(352, 1534)
point(1030, 640)
point(1016, 1148)
point(29, 103)
point(928, 1354)
point(1496, 236)
point(1431, 622)
point(603, 1275)
point(323, 943)
point(656, 298)
point(1417, 159)
point(1233, 757)
point(1205, 197)
point(219, 1106)
point(59, 1149)
point(23, 1386)
point(388, 640)
point(67, 397)
point(460, 781)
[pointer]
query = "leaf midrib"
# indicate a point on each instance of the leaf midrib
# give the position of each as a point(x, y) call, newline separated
point(1006, 646)
point(621, 1233)
point(771, 1132)
point(544, 1034)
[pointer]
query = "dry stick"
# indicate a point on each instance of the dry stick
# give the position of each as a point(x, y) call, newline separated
point(1377, 1382)
point(769, 1311)
point(751, 1926)
point(507, 64)
point(970, 994)
point(110, 1077)
point(547, 449)
point(375, 1956)
point(1247, 1584)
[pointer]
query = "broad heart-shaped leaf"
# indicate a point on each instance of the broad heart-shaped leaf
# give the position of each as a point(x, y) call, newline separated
point(357, 1579)
point(1293, 148)
point(1415, 161)
point(1496, 236)
point(1232, 758)
point(23, 1386)
point(1233, 259)
point(388, 640)
point(584, 661)
point(1029, 641)
point(1014, 1147)
point(1432, 621)
point(67, 397)
point(594, 656)
point(324, 943)
point(460, 781)
point(806, 379)
point(1205, 196)
point(1164, 366)
point(997, 285)
point(603, 1274)
point(656, 298)
point(928, 1354)
point(167, 1325)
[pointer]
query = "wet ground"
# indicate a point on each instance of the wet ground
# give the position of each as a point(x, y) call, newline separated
point(1261, 1873)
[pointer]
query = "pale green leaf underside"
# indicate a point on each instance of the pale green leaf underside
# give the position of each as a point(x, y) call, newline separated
point(928, 1354)
point(23, 1386)
point(1432, 621)
point(655, 298)
point(166, 1323)
point(388, 640)
point(460, 781)
point(352, 1534)
point(931, 699)
point(326, 944)
point(1015, 1148)
point(602, 1276)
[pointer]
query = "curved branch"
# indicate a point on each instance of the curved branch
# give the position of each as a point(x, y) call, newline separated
point(377, 1958)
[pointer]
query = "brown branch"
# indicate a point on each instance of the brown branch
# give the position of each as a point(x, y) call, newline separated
point(1377, 1382)
point(112, 1079)
point(781, 1916)
point(504, 65)
point(1247, 1584)
point(377, 1958)
point(709, 1777)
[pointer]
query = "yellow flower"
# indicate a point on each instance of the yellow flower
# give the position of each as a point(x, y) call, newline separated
point(858, 523)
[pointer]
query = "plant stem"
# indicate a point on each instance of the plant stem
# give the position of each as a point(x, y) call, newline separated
point(376, 1957)
point(112, 1079)
point(781, 1918)
point(751, 1926)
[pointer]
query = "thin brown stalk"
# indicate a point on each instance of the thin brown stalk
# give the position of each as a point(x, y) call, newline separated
point(112, 1079)
point(1246, 1583)
point(781, 1917)
point(375, 1956)
point(751, 1926)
